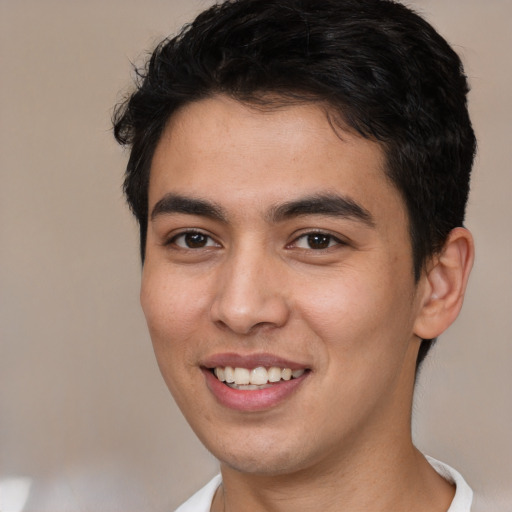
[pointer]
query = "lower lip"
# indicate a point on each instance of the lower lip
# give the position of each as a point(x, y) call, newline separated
point(252, 400)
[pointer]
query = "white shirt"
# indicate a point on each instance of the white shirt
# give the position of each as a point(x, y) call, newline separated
point(202, 500)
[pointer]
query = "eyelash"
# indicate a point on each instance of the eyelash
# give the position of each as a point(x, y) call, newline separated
point(328, 238)
point(191, 232)
point(332, 241)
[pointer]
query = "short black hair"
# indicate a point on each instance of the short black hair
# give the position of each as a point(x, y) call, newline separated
point(381, 69)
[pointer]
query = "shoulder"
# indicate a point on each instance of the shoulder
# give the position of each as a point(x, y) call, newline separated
point(201, 501)
point(463, 493)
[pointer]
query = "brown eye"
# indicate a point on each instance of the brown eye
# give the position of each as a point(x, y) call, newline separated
point(193, 240)
point(319, 241)
point(316, 241)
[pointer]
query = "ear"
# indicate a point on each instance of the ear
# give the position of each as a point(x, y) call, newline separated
point(444, 285)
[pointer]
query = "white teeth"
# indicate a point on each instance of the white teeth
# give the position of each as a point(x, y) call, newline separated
point(242, 376)
point(274, 374)
point(257, 378)
point(229, 374)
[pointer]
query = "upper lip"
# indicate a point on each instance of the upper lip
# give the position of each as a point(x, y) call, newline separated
point(250, 361)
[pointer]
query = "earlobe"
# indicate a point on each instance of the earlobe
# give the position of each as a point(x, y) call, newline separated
point(445, 283)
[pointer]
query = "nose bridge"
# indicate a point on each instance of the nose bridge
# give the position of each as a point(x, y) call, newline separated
point(248, 292)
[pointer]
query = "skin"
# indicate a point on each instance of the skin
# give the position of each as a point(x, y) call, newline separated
point(350, 312)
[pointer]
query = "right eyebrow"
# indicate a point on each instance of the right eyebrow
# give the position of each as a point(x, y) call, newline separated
point(175, 203)
point(328, 204)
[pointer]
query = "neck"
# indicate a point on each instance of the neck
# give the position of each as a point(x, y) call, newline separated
point(402, 481)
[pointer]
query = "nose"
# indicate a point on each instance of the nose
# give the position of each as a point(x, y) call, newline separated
point(250, 295)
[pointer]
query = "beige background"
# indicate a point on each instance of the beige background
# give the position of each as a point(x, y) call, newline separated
point(86, 423)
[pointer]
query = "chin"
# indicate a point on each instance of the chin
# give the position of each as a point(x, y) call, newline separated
point(260, 464)
point(266, 458)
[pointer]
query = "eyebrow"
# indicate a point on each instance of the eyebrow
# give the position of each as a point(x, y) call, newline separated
point(323, 204)
point(319, 204)
point(175, 203)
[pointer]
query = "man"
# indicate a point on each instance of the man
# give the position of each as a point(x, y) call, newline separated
point(299, 170)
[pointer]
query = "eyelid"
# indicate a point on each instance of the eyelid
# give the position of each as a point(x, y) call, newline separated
point(340, 240)
point(171, 239)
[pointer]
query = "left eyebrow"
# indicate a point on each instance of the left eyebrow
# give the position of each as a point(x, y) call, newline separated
point(175, 203)
point(322, 204)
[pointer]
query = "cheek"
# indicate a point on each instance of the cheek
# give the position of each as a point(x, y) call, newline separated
point(169, 301)
point(172, 315)
point(357, 310)
point(173, 312)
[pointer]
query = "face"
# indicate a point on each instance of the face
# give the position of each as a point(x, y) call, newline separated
point(278, 258)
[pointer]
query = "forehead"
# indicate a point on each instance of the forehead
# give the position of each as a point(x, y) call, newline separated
point(235, 153)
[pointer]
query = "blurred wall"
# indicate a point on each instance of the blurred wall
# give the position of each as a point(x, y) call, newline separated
point(86, 422)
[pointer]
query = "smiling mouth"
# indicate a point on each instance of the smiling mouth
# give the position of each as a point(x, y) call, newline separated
point(256, 378)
